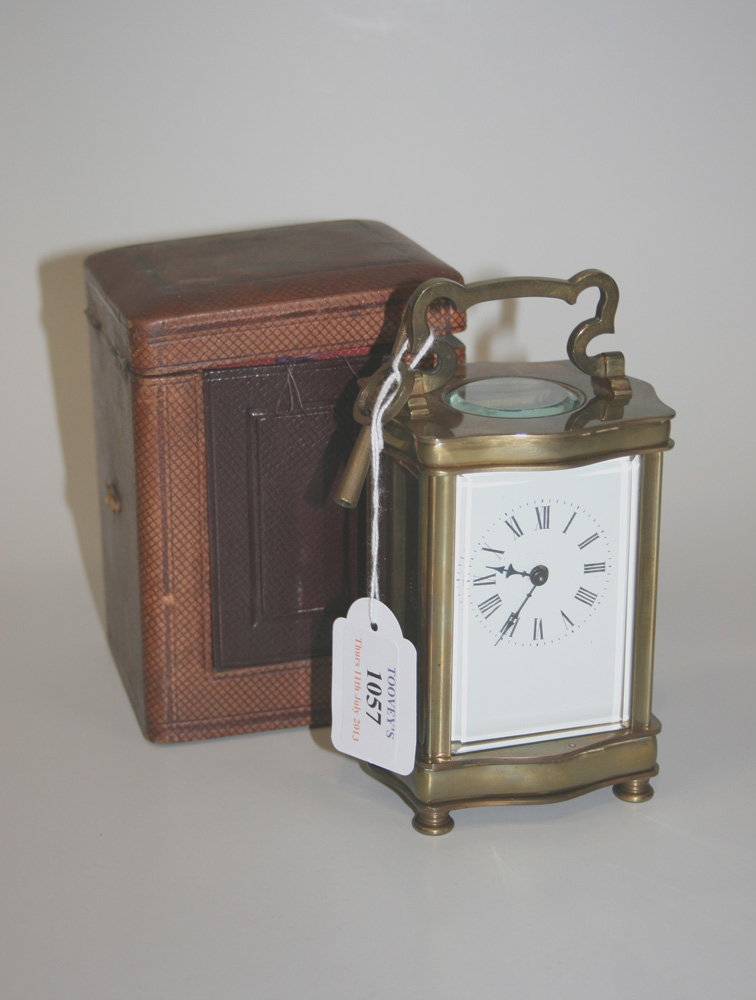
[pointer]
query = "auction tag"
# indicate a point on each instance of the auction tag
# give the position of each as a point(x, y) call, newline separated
point(374, 689)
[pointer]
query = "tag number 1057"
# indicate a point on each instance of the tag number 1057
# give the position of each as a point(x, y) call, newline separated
point(373, 697)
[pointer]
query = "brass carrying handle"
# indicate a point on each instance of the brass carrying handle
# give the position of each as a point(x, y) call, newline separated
point(607, 371)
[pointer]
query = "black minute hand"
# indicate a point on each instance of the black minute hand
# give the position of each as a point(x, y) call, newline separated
point(527, 598)
point(511, 623)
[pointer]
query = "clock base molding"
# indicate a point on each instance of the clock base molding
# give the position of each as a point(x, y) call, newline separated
point(528, 775)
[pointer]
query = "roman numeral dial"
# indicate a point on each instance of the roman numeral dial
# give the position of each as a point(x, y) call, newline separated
point(537, 573)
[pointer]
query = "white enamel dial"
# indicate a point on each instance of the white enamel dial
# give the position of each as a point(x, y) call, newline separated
point(538, 572)
point(545, 569)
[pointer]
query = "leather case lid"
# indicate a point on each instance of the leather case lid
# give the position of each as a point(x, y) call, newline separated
point(253, 297)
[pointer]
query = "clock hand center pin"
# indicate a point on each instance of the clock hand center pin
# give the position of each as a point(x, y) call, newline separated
point(538, 576)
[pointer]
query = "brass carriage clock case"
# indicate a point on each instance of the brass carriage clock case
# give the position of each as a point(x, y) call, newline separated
point(441, 434)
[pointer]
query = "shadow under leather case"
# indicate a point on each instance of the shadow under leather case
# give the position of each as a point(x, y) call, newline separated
point(225, 369)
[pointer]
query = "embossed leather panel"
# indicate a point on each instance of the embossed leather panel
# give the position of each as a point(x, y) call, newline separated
point(283, 557)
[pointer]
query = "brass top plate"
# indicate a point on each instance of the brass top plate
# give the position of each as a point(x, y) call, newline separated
point(433, 435)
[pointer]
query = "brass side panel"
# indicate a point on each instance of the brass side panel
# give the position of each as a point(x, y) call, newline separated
point(645, 603)
point(437, 494)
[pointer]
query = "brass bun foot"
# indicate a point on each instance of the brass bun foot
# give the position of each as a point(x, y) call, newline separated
point(432, 822)
point(634, 790)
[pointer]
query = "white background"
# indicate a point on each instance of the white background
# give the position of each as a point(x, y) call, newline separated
point(508, 138)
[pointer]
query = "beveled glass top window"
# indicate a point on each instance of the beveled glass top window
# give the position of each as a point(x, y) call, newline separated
point(513, 398)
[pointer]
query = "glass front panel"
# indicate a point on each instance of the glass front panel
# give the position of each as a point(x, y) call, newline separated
point(543, 603)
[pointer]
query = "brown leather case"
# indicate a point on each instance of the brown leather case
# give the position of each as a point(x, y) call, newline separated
point(225, 371)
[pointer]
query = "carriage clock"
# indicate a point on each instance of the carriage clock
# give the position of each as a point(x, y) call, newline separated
point(519, 552)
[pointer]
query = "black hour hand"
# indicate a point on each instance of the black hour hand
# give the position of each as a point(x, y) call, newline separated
point(508, 571)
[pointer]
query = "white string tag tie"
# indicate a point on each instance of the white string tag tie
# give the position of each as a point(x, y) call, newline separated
point(386, 396)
